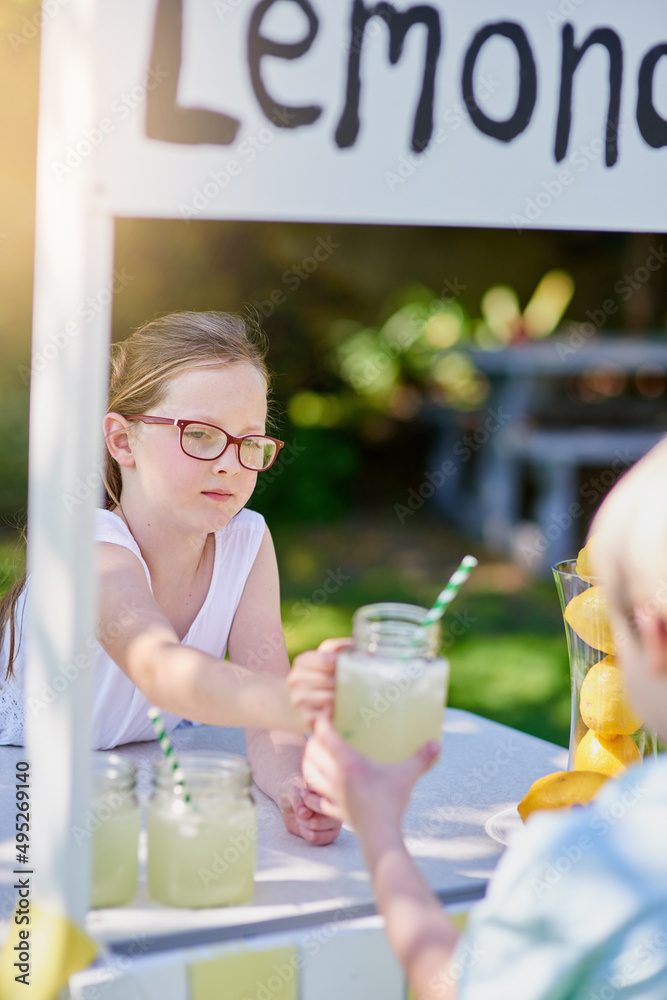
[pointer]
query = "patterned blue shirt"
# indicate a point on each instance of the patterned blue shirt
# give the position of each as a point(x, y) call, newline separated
point(578, 905)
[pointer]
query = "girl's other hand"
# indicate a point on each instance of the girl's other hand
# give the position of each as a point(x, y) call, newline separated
point(352, 788)
point(314, 826)
point(312, 680)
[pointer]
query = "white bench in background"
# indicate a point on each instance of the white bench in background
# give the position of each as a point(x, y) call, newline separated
point(490, 505)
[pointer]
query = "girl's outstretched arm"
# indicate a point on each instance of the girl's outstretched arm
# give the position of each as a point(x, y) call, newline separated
point(179, 679)
point(256, 640)
point(372, 798)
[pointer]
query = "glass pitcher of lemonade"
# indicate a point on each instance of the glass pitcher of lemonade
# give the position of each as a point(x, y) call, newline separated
point(201, 852)
point(116, 837)
point(391, 685)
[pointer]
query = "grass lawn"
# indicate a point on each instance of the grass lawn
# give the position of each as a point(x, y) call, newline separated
point(510, 661)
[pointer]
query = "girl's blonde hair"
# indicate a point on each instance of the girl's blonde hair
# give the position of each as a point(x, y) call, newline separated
point(141, 368)
point(143, 365)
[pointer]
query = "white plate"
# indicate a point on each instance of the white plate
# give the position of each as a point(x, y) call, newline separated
point(503, 825)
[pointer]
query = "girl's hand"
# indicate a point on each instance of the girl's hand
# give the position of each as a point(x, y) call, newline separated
point(350, 787)
point(314, 826)
point(312, 680)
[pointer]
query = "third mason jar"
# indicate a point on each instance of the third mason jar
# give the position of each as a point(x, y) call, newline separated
point(391, 686)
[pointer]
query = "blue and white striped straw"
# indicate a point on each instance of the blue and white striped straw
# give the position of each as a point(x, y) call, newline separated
point(168, 749)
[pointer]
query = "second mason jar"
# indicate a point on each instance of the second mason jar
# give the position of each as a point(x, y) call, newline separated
point(391, 686)
point(201, 832)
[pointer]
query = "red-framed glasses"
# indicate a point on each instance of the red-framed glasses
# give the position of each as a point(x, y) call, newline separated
point(206, 442)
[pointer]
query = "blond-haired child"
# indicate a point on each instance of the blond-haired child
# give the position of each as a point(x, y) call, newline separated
point(578, 905)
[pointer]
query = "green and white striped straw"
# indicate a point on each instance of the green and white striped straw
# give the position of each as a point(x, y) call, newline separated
point(168, 748)
point(446, 596)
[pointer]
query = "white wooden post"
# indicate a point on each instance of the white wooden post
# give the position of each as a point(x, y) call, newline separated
point(73, 260)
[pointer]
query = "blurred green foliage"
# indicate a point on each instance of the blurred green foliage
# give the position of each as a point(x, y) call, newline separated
point(13, 450)
point(419, 351)
point(12, 561)
point(366, 381)
point(311, 478)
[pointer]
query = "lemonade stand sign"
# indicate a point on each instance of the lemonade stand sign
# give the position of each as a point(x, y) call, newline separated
point(440, 113)
point(435, 113)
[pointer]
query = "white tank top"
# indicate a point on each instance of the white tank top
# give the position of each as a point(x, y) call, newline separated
point(119, 708)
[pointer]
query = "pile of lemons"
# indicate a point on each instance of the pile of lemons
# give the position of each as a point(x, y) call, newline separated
point(608, 719)
point(607, 746)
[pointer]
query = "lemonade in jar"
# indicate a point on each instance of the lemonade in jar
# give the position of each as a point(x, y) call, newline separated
point(116, 834)
point(202, 832)
point(391, 685)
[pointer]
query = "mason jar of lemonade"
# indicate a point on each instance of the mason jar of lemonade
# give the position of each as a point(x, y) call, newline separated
point(391, 685)
point(116, 834)
point(202, 832)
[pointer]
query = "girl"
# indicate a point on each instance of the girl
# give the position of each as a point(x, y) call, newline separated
point(184, 571)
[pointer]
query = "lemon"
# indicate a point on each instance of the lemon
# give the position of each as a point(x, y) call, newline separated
point(611, 757)
point(561, 790)
point(580, 731)
point(587, 614)
point(586, 558)
point(63, 948)
point(604, 704)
